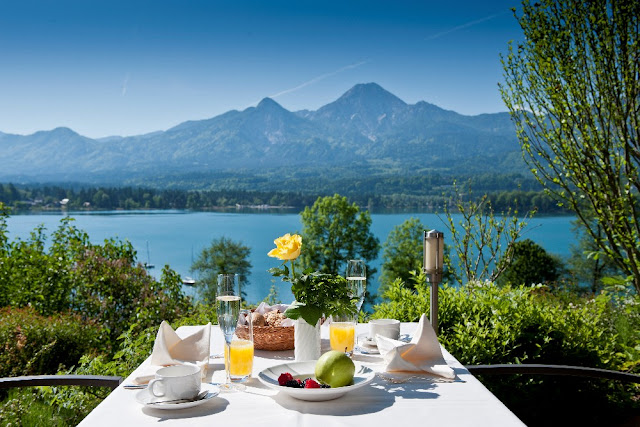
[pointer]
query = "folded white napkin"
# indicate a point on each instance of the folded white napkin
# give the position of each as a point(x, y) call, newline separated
point(170, 349)
point(422, 354)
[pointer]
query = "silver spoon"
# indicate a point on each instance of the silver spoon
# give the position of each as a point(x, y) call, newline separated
point(200, 396)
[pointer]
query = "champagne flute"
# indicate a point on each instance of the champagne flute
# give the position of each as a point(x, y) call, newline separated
point(357, 277)
point(228, 307)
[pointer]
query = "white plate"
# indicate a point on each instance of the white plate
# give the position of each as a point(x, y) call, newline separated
point(147, 399)
point(269, 377)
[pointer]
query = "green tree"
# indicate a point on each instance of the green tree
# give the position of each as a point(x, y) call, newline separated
point(223, 256)
point(572, 88)
point(481, 238)
point(588, 264)
point(333, 232)
point(529, 264)
point(403, 252)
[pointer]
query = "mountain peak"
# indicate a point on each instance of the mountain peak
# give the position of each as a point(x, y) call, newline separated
point(269, 103)
point(371, 91)
point(366, 108)
point(57, 132)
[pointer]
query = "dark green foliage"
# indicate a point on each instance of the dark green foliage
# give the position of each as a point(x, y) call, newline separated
point(530, 264)
point(589, 265)
point(223, 255)
point(317, 294)
point(334, 232)
point(403, 252)
point(393, 189)
point(34, 344)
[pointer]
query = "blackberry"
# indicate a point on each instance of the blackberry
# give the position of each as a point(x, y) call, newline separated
point(294, 384)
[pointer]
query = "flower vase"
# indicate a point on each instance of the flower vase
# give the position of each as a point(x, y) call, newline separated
point(306, 340)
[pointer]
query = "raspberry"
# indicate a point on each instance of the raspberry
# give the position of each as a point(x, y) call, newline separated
point(284, 378)
point(310, 383)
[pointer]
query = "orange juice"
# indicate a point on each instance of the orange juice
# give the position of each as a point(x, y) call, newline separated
point(241, 358)
point(342, 336)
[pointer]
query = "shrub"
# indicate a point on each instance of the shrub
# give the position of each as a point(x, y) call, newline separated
point(135, 345)
point(482, 323)
point(23, 407)
point(101, 282)
point(34, 344)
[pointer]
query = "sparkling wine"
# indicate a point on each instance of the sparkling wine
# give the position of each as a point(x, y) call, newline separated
point(358, 286)
point(228, 312)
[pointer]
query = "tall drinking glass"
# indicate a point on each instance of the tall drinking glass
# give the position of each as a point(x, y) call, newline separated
point(228, 306)
point(357, 277)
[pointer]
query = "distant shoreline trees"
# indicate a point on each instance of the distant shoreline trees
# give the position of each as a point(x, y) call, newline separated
point(43, 198)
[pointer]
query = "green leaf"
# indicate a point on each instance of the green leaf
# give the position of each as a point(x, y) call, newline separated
point(310, 314)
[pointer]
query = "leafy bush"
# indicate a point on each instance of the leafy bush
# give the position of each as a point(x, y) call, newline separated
point(100, 282)
point(23, 407)
point(482, 323)
point(34, 344)
point(135, 345)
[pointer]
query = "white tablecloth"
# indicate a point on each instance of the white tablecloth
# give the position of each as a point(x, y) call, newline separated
point(465, 402)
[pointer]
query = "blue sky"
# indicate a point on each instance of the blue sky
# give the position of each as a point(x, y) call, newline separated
point(131, 67)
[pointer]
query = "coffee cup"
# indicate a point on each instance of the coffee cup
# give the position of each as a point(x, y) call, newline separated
point(389, 328)
point(176, 382)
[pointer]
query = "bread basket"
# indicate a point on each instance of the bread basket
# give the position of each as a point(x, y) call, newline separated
point(272, 338)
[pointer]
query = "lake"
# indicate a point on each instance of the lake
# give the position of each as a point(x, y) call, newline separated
point(177, 237)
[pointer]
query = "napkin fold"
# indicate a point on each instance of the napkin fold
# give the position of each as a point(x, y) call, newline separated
point(422, 354)
point(170, 349)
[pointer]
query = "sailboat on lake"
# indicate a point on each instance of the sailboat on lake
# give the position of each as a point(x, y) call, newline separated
point(148, 264)
point(189, 281)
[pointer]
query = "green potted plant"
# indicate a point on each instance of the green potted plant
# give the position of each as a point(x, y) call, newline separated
point(316, 295)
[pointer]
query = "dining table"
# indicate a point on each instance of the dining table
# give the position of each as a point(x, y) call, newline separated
point(384, 401)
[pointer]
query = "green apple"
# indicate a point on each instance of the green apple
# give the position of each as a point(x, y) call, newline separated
point(335, 369)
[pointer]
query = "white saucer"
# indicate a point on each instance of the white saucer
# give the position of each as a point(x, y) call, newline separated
point(368, 345)
point(368, 342)
point(150, 401)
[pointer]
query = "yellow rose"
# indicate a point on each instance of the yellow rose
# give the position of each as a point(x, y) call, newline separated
point(287, 247)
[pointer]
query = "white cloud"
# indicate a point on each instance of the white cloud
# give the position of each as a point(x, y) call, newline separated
point(313, 81)
point(460, 27)
point(317, 79)
point(125, 84)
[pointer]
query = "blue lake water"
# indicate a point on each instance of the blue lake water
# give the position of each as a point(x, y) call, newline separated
point(177, 237)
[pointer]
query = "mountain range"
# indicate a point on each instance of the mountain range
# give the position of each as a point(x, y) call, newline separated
point(367, 128)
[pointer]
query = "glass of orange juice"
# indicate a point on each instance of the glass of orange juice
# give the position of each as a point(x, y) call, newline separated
point(238, 356)
point(342, 333)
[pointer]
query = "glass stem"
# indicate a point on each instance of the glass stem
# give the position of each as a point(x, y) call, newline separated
point(227, 363)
